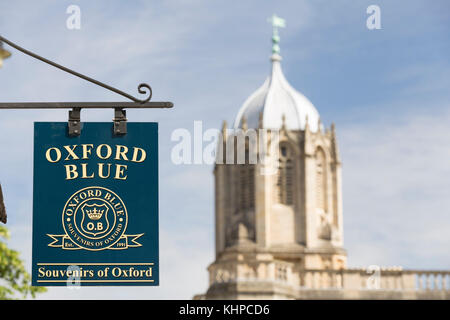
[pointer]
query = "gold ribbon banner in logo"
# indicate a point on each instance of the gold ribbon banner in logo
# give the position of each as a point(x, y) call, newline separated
point(125, 241)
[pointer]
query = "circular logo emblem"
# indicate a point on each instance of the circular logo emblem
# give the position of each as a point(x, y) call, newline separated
point(94, 218)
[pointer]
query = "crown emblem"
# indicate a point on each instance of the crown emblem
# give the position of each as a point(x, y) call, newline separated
point(94, 214)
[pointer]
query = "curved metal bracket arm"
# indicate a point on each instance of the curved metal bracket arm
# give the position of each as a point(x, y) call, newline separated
point(143, 88)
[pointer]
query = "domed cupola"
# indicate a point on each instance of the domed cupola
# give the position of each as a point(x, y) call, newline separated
point(276, 99)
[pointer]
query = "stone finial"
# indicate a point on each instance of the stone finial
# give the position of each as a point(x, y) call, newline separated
point(224, 130)
point(244, 123)
point(334, 145)
point(307, 123)
point(260, 120)
point(283, 121)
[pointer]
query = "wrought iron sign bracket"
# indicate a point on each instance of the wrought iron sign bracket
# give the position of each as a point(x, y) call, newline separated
point(120, 121)
point(74, 122)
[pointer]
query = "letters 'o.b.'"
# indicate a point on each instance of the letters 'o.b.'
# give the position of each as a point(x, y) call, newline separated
point(94, 218)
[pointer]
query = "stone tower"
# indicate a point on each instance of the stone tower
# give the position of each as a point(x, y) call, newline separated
point(278, 208)
point(288, 216)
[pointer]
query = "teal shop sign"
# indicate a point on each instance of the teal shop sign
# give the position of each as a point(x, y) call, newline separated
point(95, 206)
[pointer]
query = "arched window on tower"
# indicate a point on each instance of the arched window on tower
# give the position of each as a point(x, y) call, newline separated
point(321, 180)
point(285, 176)
point(245, 187)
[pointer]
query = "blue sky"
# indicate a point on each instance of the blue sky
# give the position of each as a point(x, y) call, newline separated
point(386, 90)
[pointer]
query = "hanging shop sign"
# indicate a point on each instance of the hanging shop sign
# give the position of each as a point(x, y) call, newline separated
point(95, 206)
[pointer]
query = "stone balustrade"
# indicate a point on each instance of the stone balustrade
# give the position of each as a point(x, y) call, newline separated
point(371, 278)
